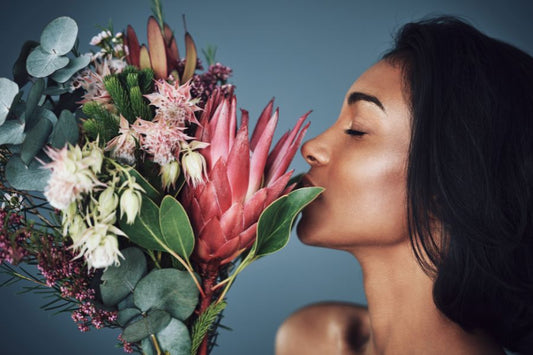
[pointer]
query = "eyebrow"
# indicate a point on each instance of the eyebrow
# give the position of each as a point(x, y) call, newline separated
point(359, 96)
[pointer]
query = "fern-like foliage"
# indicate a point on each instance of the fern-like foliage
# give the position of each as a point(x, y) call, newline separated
point(100, 123)
point(203, 324)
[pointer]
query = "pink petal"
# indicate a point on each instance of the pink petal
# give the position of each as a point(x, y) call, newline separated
point(218, 132)
point(208, 202)
point(229, 251)
point(202, 250)
point(238, 168)
point(248, 236)
point(254, 206)
point(218, 177)
point(260, 154)
point(261, 123)
point(232, 221)
point(232, 122)
point(275, 189)
point(212, 235)
point(197, 216)
point(288, 189)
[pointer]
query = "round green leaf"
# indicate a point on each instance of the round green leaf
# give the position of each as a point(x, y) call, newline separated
point(65, 131)
point(8, 91)
point(126, 303)
point(35, 139)
point(174, 338)
point(176, 227)
point(126, 315)
point(59, 36)
point(34, 96)
point(119, 281)
point(151, 324)
point(169, 289)
point(75, 65)
point(41, 64)
point(274, 225)
point(12, 132)
point(21, 177)
point(39, 114)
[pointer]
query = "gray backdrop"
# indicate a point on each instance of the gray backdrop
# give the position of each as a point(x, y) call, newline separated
point(306, 53)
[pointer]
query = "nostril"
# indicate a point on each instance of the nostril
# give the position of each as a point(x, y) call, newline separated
point(311, 158)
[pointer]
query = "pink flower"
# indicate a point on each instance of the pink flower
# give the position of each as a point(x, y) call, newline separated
point(160, 139)
point(174, 103)
point(122, 147)
point(243, 179)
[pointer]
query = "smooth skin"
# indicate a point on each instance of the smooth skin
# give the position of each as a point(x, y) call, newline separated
point(361, 161)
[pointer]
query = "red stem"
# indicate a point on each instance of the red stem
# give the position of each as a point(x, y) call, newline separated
point(209, 279)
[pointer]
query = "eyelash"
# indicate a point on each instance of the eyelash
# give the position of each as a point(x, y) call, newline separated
point(353, 132)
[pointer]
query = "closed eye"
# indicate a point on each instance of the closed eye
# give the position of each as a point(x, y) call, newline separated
point(353, 132)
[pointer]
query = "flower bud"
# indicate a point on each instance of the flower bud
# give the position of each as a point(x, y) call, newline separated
point(107, 203)
point(105, 254)
point(169, 174)
point(193, 167)
point(94, 158)
point(76, 228)
point(130, 203)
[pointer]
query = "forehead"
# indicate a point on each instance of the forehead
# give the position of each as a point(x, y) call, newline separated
point(384, 81)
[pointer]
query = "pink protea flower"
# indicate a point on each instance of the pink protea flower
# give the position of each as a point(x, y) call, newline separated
point(174, 103)
point(242, 179)
point(160, 139)
point(122, 146)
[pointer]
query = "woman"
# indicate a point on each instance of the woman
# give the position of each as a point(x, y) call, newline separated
point(428, 176)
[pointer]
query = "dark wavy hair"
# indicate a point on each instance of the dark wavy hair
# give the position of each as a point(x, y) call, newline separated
point(471, 170)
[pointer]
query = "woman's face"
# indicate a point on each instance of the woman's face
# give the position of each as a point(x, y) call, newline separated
point(361, 161)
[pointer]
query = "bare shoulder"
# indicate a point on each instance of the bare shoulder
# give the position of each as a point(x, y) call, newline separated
point(325, 328)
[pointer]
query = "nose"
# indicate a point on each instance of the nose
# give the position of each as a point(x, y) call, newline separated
point(315, 152)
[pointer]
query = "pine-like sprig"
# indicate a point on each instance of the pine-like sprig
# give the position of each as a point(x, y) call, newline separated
point(203, 324)
point(100, 122)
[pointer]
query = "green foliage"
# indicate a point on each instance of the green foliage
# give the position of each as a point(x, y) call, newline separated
point(154, 321)
point(34, 97)
point(65, 131)
point(12, 132)
point(203, 324)
point(59, 36)
point(145, 230)
point(8, 92)
point(100, 123)
point(41, 64)
point(20, 74)
point(173, 339)
point(274, 225)
point(75, 65)
point(119, 281)
point(149, 190)
point(36, 138)
point(171, 290)
point(127, 89)
point(176, 227)
point(127, 315)
point(21, 177)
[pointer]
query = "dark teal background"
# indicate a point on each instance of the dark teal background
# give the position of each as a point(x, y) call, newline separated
point(306, 54)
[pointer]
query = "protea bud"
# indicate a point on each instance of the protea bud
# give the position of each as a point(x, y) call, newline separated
point(242, 179)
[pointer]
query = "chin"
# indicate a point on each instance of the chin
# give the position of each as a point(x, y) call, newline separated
point(308, 234)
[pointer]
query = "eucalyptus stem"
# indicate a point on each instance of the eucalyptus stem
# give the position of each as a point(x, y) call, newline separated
point(156, 344)
point(153, 257)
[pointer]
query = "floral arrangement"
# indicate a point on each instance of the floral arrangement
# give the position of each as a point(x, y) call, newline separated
point(128, 181)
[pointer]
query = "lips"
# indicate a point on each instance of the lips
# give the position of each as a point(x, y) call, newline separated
point(306, 181)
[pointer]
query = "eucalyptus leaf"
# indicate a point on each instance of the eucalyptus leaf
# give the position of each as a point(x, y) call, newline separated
point(8, 91)
point(154, 321)
point(168, 289)
point(75, 65)
point(126, 315)
point(65, 131)
point(20, 74)
point(59, 36)
point(56, 90)
point(145, 230)
point(174, 339)
point(35, 139)
point(33, 177)
point(39, 114)
point(41, 64)
point(176, 227)
point(126, 303)
point(34, 96)
point(12, 132)
point(119, 281)
point(274, 225)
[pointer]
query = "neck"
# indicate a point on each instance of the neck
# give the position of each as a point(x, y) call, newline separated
point(400, 303)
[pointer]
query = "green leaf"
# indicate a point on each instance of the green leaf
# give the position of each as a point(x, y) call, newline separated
point(126, 315)
point(8, 91)
point(149, 189)
point(168, 289)
point(59, 36)
point(41, 64)
point(34, 96)
point(176, 227)
point(20, 74)
point(35, 139)
point(174, 339)
point(31, 178)
point(12, 132)
point(145, 230)
point(203, 324)
point(274, 226)
point(126, 303)
point(154, 321)
point(65, 131)
point(75, 65)
point(56, 90)
point(119, 281)
point(40, 113)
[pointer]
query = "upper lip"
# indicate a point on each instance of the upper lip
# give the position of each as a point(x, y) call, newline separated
point(306, 181)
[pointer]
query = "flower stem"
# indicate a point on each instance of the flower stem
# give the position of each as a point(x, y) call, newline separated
point(208, 281)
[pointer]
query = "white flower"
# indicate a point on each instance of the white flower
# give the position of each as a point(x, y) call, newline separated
point(70, 177)
point(105, 254)
point(93, 157)
point(12, 201)
point(130, 203)
point(193, 163)
point(99, 245)
point(169, 174)
point(123, 146)
point(107, 205)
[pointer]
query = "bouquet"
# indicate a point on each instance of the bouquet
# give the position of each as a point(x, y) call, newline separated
point(128, 181)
